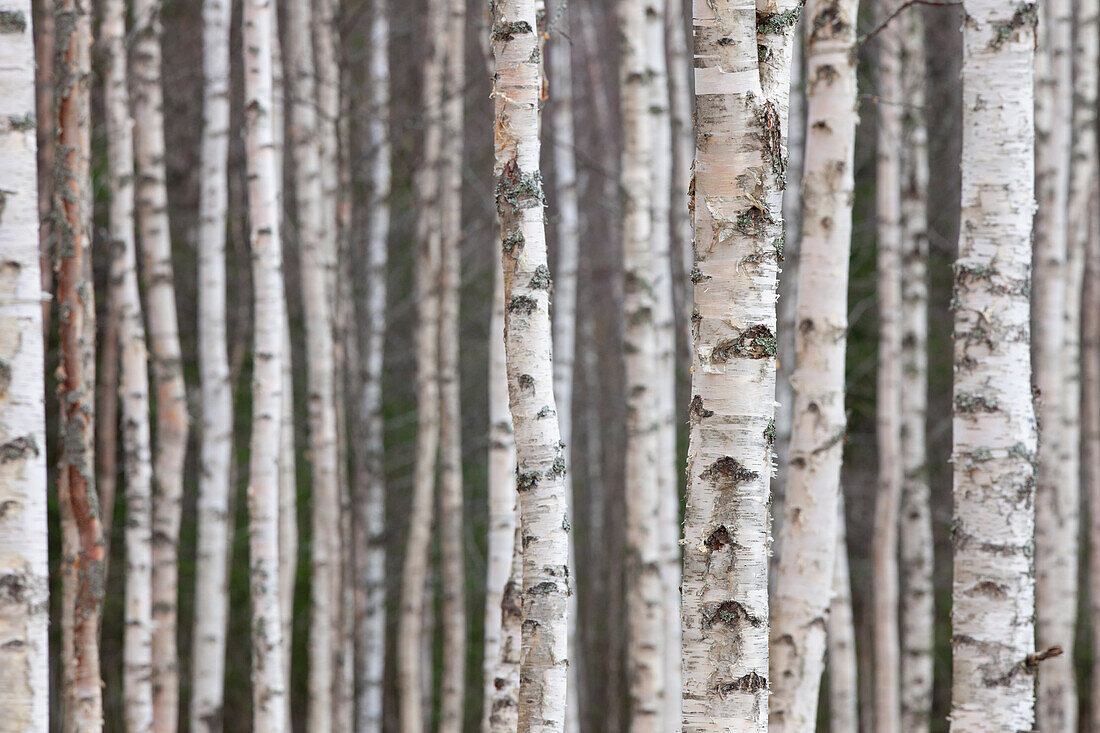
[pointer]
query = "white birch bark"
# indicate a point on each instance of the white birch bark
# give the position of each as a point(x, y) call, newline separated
point(82, 549)
point(212, 553)
point(916, 597)
point(413, 624)
point(453, 607)
point(316, 293)
point(742, 76)
point(133, 386)
point(541, 466)
point(683, 153)
point(884, 542)
point(370, 483)
point(808, 538)
point(268, 683)
point(504, 699)
point(24, 572)
point(171, 399)
point(994, 424)
point(1090, 428)
point(1056, 523)
point(841, 641)
point(645, 660)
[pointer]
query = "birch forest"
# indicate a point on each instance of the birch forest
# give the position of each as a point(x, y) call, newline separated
point(533, 366)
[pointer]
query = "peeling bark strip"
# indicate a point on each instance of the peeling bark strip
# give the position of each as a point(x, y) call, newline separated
point(742, 76)
point(268, 682)
point(516, 91)
point(76, 331)
point(24, 579)
point(805, 574)
point(992, 688)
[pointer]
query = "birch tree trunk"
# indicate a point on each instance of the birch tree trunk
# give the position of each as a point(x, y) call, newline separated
point(994, 423)
point(841, 641)
point(24, 571)
point(45, 39)
point(804, 579)
point(82, 530)
point(268, 684)
point(212, 553)
point(370, 480)
point(683, 152)
point(916, 587)
point(504, 699)
point(133, 387)
point(645, 659)
point(742, 76)
point(884, 542)
point(316, 290)
point(1056, 523)
point(1090, 426)
point(540, 473)
point(451, 523)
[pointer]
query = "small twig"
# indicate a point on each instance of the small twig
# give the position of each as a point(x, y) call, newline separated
point(1033, 659)
point(898, 11)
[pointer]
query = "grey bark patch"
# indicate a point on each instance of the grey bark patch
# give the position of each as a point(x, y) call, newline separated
point(696, 411)
point(730, 614)
point(727, 472)
point(541, 279)
point(522, 304)
point(972, 402)
point(718, 539)
point(12, 21)
point(752, 682)
point(18, 448)
point(755, 342)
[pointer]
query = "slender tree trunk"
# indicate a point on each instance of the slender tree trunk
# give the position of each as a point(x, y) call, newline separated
point(414, 609)
point(171, 399)
point(540, 473)
point(808, 536)
point(82, 543)
point(916, 588)
point(1056, 523)
point(453, 684)
point(133, 389)
point(1090, 427)
point(268, 684)
point(316, 292)
point(742, 79)
point(504, 705)
point(24, 571)
point(45, 118)
point(884, 542)
point(106, 412)
point(994, 423)
point(212, 553)
point(645, 661)
point(841, 641)
point(683, 153)
point(370, 480)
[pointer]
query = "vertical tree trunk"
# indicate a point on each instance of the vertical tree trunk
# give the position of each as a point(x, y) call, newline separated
point(742, 77)
point(683, 152)
point(808, 535)
point(133, 389)
point(370, 480)
point(504, 699)
point(841, 641)
point(268, 684)
point(316, 291)
point(106, 412)
point(916, 589)
point(24, 572)
point(82, 542)
point(540, 475)
point(645, 661)
point(994, 423)
point(1056, 523)
point(45, 118)
point(451, 523)
point(884, 542)
point(211, 567)
point(1090, 427)
point(171, 399)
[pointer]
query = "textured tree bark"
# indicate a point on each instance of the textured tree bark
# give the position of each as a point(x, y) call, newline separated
point(683, 153)
point(1056, 521)
point(370, 480)
point(24, 571)
point(742, 77)
point(414, 575)
point(268, 684)
point(133, 388)
point(451, 523)
point(994, 423)
point(1090, 428)
point(45, 119)
point(540, 475)
point(916, 588)
point(841, 641)
point(212, 553)
point(804, 579)
point(504, 705)
point(645, 658)
point(154, 238)
point(82, 531)
point(884, 542)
